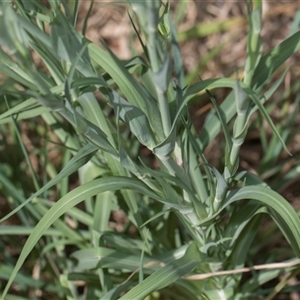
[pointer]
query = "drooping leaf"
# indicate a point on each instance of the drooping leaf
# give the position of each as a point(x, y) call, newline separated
point(279, 209)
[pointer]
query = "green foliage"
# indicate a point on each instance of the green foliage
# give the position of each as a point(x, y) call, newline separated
point(189, 217)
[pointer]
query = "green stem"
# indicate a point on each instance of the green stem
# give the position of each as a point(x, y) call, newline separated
point(238, 138)
point(154, 48)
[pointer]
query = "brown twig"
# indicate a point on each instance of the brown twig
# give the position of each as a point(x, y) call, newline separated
point(245, 270)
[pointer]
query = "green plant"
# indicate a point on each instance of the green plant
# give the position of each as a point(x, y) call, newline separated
point(190, 217)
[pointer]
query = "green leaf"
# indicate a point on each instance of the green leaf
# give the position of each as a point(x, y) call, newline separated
point(134, 118)
point(167, 275)
point(67, 43)
point(268, 64)
point(166, 143)
point(162, 77)
point(253, 96)
point(132, 90)
point(243, 227)
point(221, 188)
point(254, 44)
point(25, 110)
point(74, 197)
point(279, 209)
point(79, 159)
point(110, 258)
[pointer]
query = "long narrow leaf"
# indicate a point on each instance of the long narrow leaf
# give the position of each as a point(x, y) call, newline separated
point(74, 197)
point(81, 158)
point(268, 64)
point(166, 275)
point(279, 209)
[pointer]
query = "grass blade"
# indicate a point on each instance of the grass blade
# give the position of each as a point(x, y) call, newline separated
point(74, 197)
point(81, 158)
point(279, 209)
point(167, 275)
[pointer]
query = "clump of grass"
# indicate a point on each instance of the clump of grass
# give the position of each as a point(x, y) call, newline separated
point(195, 224)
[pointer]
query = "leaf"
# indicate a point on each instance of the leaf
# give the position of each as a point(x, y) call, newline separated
point(67, 43)
point(177, 60)
point(94, 113)
point(101, 257)
point(79, 159)
point(129, 86)
point(21, 24)
point(279, 209)
point(221, 188)
point(241, 98)
point(244, 227)
point(228, 139)
point(162, 77)
point(167, 275)
point(253, 96)
point(268, 64)
point(168, 141)
point(12, 35)
point(74, 197)
point(165, 148)
point(274, 59)
point(134, 118)
point(254, 44)
point(25, 110)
